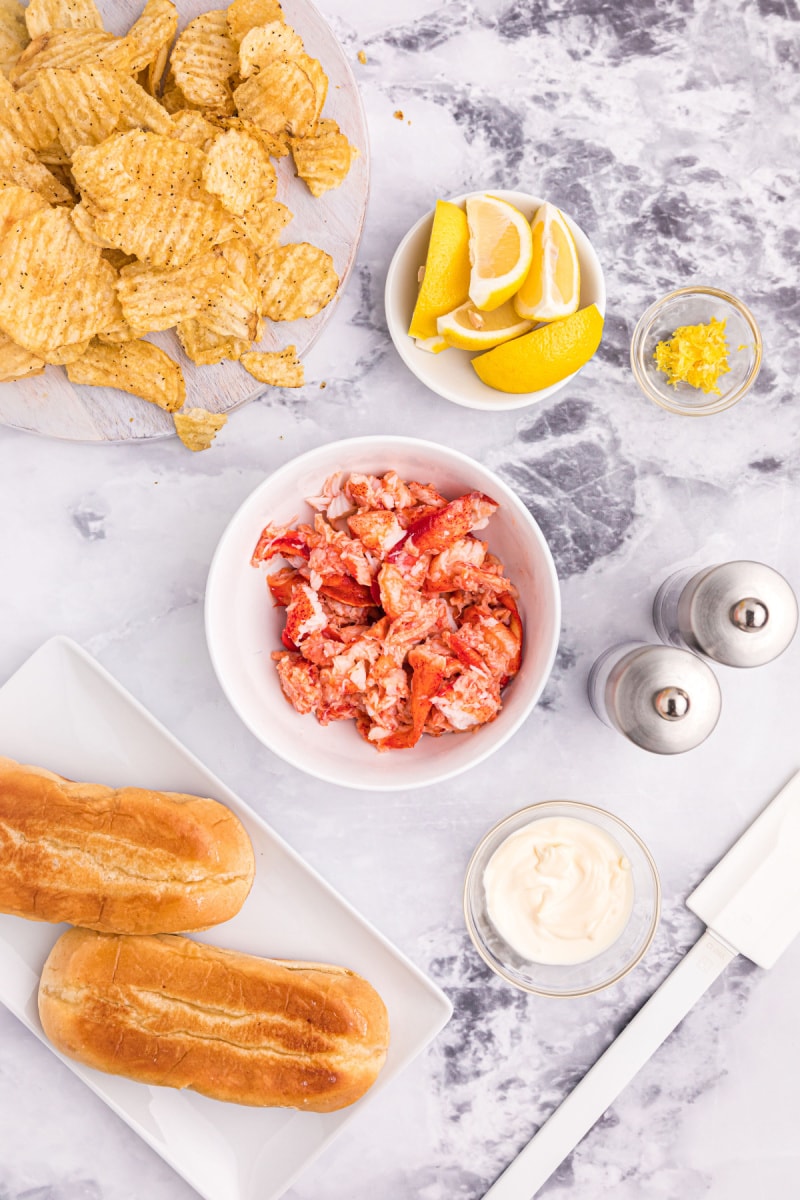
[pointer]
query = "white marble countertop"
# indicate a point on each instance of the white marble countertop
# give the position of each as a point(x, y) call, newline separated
point(667, 132)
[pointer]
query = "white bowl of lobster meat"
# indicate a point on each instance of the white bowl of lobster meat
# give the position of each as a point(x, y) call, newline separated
point(397, 632)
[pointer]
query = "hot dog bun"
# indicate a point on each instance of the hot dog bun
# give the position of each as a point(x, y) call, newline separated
point(123, 860)
point(167, 1010)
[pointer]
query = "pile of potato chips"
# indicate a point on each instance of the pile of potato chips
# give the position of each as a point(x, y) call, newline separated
point(137, 194)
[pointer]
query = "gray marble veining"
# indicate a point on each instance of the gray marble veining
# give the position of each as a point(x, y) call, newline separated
point(668, 129)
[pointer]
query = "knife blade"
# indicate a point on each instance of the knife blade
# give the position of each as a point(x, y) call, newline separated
point(751, 904)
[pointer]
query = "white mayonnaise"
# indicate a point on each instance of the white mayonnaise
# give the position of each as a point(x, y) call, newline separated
point(559, 890)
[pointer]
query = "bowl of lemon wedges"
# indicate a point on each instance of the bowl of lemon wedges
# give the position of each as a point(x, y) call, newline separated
point(495, 299)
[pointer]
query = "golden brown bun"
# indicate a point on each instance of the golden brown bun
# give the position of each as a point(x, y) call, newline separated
point(121, 861)
point(167, 1010)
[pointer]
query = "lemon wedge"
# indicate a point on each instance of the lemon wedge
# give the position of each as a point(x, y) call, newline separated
point(445, 283)
point(470, 329)
point(432, 344)
point(552, 287)
point(544, 357)
point(500, 249)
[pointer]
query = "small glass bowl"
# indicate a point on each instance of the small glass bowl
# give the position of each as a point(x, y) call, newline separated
point(696, 306)
point(578, 979)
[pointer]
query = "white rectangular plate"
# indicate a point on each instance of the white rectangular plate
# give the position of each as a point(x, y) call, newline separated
point(63, 711)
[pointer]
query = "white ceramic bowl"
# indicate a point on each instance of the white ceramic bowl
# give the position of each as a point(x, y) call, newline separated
point(450, 374)
point(242, 627)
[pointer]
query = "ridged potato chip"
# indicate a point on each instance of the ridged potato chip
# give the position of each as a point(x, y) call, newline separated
point(13, 33)
point(144, 192)
point(67, 48)
point(280, 99)
point(136, 367)
point(20, 166)
point(47, 16)
point(297, 280)
point(243, 15)
point(91, 102)
point(55, 288)
point(82, 220)
point(203, 60)
point(312, 68)
point(189, 125)
point(205, 347)
point(208, 288)
point(27, 116)
point(17, 203)
point(238, 170)
point(281, 368)
point(149, 38)
point(275, 147)
point(264, 224)
point(323, 159)
point(16, 362)
point(59, 356)
point(197, 428)
point(264, 43)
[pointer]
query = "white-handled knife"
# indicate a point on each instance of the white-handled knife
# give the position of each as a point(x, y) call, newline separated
point(751, 905)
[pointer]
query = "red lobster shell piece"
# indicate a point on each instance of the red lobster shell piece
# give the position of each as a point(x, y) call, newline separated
point(439, 529)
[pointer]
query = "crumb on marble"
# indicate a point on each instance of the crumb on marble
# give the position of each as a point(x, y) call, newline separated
point(362, 57)
point(398, 115)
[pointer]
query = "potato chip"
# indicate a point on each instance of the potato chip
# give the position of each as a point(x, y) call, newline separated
point(264, 43)
point(264, 224)
point(238, 170)
point(203, 60)
point(144, 192)
point(189, 125)
point(17, 203)
point(67, 48)
point(13, 33)
point(55, 288)
point(136, 367)
point(91, 102)
point(197, 428)
point(275, 147)
point(243, 15)
point(16, 362)
point(297, 280)
point(26, 115)
point(82, 220)
point(323, 160)
point(46, 16)
point(59, 356)
point(205, 347)
point(148, 39)
point(279, 369)
point(209, 288)
point(19, 165)
point(280, 99)
point(312, 68)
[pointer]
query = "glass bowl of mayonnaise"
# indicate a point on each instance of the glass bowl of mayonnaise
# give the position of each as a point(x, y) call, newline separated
point(562, 898)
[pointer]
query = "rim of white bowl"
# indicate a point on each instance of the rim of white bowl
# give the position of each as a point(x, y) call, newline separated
point(289, 469)
point(495, 401)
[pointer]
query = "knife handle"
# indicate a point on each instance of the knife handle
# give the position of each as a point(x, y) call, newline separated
point(614, 1070)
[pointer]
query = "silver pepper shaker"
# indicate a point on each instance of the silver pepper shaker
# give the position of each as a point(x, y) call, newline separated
point(742, 614)
point(661, 698)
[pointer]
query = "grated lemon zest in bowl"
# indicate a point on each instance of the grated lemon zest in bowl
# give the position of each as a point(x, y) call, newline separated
point(695, 354)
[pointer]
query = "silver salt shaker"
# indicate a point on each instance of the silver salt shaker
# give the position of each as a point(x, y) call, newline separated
point(742, 614)
point(661, 698)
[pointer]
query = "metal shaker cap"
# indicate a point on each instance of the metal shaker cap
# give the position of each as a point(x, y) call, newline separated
point(742, 613)
point(664, 699)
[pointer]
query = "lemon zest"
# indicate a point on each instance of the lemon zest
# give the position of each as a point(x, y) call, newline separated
point(695, 354)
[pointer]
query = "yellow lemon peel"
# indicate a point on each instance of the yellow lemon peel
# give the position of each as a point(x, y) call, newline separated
point(695, 354)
